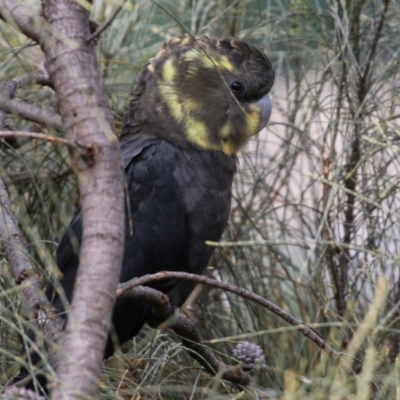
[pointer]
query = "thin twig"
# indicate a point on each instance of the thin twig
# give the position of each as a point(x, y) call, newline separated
point(103, 27)
point(378, 33)
point(40, 136)
point(301, 325)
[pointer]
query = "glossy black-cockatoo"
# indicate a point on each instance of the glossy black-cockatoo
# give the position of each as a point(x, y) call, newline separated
point(194, 106)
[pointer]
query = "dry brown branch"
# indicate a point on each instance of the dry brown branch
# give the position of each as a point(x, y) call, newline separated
point(103, 27)
point(26, 275)
point(30, 112)
point(20, 16)
point(186, 328)
point(38, 77)
point(40, 136)
point(9, 88)
point(301, 325)
point(72, 66)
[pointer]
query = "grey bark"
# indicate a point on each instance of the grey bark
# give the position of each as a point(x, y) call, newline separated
point(72, 67)
point(24, 272)
point(31, 112)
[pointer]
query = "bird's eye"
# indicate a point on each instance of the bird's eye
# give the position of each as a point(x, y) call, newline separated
point(237, 87)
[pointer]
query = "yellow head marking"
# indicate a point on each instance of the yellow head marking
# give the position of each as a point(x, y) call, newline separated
point(225, 131)
point(228, 147)
point(220, 62)
point(193, 106)
point(150, 67)
point(169, 71)
point(207, 60)
point(191, 55)
point(196, 133)
point(176, 40)
point(173, 102)
point(186, 40)
point(253, 119)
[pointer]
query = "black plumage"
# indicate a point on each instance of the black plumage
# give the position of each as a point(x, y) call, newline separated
point(178, 199)
point(193, 107)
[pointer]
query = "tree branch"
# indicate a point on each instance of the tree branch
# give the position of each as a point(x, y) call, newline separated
point(103, 27)
point(20, 16)
point(301, 325)
point(186, 328)
point(26, 275)
point(30, 112)
point(9, 88)
point(72, 66)
point(40, 136)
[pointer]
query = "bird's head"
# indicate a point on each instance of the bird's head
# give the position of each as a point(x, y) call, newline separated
point(210, 93)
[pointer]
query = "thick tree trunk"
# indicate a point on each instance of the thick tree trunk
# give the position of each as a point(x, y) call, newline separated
point(72, 66)
point(62, 31)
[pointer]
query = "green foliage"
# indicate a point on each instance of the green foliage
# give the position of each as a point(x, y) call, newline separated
point(315, 212)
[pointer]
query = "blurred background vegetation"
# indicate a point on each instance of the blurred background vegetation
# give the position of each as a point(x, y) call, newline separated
point(315, 219)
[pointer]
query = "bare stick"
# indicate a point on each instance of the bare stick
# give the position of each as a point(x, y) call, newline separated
point(72, 64)
point(301, 325)
point(30, 112)
point(9, 88)
point(186, 328)
point(103, 27)
point(19, 15)
point(40, 136)
point(25, 274)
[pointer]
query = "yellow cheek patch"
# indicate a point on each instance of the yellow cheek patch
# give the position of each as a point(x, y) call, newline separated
point(197, 133)
point(226, 131)
point(252, 119)
point(169, 71)
point(228, 147)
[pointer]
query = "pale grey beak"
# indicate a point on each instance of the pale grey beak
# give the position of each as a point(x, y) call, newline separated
point(266, 107)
